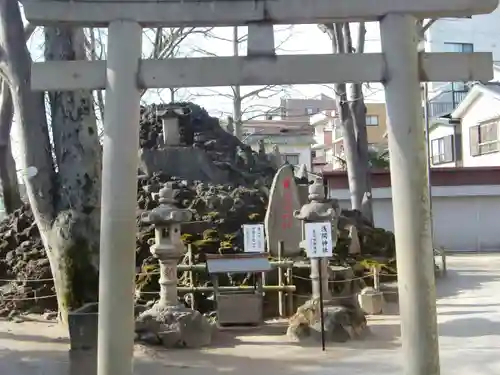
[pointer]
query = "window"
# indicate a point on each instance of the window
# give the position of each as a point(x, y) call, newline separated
point(371, 120)
point(442, 150)
point(484, 138)
point(292, 159)
point(459, 47)
point(312, 111)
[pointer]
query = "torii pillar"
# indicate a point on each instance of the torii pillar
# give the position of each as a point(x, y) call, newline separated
point(410, 196)
point(119, 200)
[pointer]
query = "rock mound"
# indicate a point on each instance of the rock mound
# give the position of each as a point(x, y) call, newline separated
point(341, 322)
point(208, 152)
point(219, 210)
point(173, 327)
point(24, 268)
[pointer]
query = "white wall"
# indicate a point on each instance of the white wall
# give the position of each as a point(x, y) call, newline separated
point(441, 131)
point(319, 131)
point(482, 31)
point(464, 217)
point(304, 152)
point(484, 108)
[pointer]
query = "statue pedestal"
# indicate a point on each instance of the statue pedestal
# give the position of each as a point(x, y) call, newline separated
point(83, 361)
point(83, 340)
point(342, 322)
point(173, 327)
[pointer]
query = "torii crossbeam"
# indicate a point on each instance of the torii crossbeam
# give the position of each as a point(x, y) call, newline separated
point(399, 67)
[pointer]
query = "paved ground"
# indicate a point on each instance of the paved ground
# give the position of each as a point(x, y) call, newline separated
point(469, 317)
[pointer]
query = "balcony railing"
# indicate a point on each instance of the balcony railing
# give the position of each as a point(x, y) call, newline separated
point(440, 107)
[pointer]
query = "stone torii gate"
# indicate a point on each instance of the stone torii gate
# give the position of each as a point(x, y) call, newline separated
point(124, 74)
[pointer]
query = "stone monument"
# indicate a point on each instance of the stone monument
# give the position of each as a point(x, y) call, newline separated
point(342, 316)
point(169, 322)
point(279, 222)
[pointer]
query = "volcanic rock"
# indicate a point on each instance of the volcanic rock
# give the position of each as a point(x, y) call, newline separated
point(219, 210)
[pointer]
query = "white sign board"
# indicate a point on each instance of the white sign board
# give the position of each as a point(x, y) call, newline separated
point(254, 238)
point(319, 240)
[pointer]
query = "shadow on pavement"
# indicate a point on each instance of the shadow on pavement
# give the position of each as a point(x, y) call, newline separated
point(186, 362)
point(464, 280)
point(469, 327)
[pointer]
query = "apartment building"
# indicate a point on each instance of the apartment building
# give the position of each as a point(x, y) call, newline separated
point(328, 148)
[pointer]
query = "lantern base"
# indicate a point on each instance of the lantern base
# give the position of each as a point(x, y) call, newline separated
point(173, 327)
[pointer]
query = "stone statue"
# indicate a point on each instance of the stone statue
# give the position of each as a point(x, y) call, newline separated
point(262, 148)
point(230, 125)
point(275, 157)
point(319, 208)
point(241, 157)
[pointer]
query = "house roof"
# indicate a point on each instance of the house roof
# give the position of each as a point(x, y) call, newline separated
point(490, 89)
point(277, 127)
point(444, 120)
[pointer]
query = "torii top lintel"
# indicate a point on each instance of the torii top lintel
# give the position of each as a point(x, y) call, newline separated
point(196, 13)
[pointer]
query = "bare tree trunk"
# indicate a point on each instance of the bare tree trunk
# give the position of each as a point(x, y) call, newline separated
point(75, 232)
point(15, 63)
point(65, 204)
point(93, 56)
point(356, 183)
point(8, 174)
point(352, 117)
point(357, 109)
point(237, 100)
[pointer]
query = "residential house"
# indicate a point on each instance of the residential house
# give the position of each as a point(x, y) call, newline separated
point(301, 109)
point(473, 34)
point(469, 136)
point(293, 138)
point(445, 143)
point(328, 148)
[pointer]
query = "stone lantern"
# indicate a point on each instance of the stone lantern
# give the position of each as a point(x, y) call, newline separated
point(319, 209)
point(169, 322)
point(343, 318)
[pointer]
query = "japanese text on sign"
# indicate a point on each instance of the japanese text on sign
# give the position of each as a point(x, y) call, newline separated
point(254, 240)
point(319, 239)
